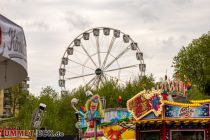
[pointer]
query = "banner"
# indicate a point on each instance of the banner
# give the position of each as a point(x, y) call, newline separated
point(13, 56)
point(12, 42)
point(187, 112)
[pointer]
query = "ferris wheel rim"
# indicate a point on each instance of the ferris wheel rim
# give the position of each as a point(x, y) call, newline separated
point(91, 31)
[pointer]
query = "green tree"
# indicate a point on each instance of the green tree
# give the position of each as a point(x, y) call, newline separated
point(60, 116)
point(17, 96)
point(193, 62)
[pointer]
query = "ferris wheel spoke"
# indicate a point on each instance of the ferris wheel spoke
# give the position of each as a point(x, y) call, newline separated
point(113, 77)
point(98, 81)
point(70, 78)
point(91, 81)
point(80, 64)
point(88, 55)
point(109, 50)
point(73, 72)
point(118, 56)
point(80, 52)
point(103, 79)
point(122, 68)
point(98, 50)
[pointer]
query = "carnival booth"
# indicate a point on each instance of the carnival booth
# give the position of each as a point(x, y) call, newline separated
point(13, 57)
point(166, 114)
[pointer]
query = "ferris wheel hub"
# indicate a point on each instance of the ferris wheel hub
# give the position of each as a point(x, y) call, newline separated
point(98, 71)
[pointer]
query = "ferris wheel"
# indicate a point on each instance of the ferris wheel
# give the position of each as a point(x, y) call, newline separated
point(98, 55)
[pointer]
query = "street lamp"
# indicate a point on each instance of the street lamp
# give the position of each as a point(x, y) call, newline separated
point(38, 116)
point(74, 102)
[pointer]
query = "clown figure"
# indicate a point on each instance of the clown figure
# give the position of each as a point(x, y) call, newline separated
point(94, 111)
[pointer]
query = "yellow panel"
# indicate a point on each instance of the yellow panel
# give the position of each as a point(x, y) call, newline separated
point(128, 134)
point(1, 101)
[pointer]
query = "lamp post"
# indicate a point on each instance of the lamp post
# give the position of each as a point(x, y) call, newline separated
point(38, 116)
point(74, 102)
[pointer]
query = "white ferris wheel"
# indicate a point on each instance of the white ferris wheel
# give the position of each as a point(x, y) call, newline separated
point(100, 54)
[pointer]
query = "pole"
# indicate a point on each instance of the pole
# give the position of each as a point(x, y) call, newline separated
point(79, 119)
point(163, 131)
point(95, 129)
point(137, 132)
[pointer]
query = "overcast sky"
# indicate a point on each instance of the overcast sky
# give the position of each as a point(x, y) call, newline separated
point(161, 27)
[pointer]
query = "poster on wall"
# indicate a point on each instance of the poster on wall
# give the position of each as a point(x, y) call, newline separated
point(172, 111)
point(13, 56)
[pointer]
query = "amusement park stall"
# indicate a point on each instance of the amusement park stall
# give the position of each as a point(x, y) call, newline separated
point(171, 118)
point(162, 114)
point(13, 60)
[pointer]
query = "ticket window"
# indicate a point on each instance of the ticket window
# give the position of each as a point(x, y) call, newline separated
point(150, 135)
point(187, 135)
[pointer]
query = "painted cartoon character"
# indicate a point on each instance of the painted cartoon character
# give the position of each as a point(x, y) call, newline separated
point(115, 134)
point(94, 110)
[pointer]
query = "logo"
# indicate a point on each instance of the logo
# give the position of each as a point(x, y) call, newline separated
point(185, 112)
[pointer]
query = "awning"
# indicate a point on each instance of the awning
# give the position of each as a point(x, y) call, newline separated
point(13, 55)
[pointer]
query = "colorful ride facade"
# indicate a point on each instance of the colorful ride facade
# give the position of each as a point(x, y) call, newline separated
point(166, 114)
point(161, 114)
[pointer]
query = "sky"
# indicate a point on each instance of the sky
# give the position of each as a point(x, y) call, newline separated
point(161, 28)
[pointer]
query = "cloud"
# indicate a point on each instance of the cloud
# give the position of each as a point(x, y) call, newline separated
point(181, 2)
point(76, 21)
point(40, 26)
point(35, 25)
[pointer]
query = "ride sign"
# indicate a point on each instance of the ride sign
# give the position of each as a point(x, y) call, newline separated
point(144, 103)
point(176, 111)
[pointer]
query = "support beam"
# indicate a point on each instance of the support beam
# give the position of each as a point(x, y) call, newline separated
point(163, 131)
